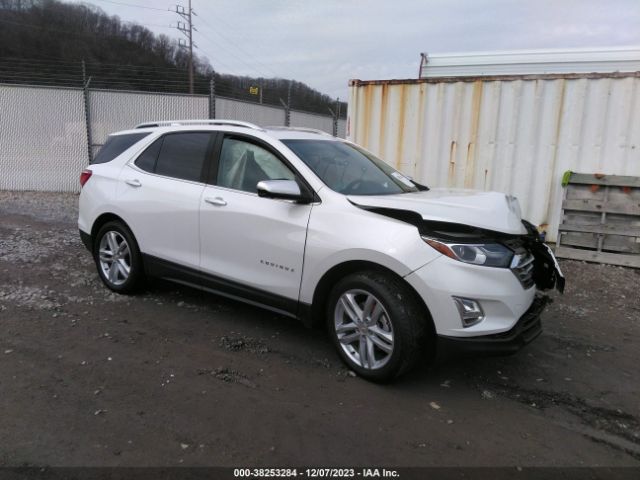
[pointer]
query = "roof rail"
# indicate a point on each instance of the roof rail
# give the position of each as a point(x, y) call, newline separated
point(175, 123)
point(300, 129)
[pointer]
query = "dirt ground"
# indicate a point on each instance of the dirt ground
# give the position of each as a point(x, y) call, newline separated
point(176, 377)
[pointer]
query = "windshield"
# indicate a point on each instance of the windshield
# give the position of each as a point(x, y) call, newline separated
point(350, 170)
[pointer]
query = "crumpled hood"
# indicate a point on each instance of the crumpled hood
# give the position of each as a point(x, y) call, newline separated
point(489, 210)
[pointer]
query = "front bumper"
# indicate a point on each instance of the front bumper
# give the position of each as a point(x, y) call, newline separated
point(500, 294)
point(526, 329)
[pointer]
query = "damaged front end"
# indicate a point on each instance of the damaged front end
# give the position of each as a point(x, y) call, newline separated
point(546, 271)
point(526, 255)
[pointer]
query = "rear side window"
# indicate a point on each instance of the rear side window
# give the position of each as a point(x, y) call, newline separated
point(182, 155)
point(115, 145)
point(147, 159)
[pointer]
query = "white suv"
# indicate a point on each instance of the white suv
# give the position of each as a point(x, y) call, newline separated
point(315, 227)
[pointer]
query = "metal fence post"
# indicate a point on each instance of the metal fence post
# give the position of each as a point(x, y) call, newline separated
point(87, 111)
point(336, 116)
point(288, 117)
point(212, 96)
point(287, 107)
point(338, 108)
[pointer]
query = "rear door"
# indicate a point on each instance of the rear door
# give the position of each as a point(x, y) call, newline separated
point(160, 194)
point(252, 246)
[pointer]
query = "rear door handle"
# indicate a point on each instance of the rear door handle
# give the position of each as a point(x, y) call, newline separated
point(134, 182)
point(217, 201)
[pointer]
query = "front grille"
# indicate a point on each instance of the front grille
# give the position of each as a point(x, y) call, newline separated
point(523, 270)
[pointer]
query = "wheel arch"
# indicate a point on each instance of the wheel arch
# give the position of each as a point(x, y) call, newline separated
point(105, 218)
point(341, 270)
point(132, 282)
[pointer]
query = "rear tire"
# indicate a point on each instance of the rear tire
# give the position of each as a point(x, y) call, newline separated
point(378, 326)
point(118, 258)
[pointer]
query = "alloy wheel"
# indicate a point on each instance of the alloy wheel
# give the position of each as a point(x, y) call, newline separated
point(363, 328)
point(114, 258)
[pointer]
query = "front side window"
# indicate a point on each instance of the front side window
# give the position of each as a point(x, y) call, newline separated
point(182, 155)
point(115, 145)
point(350, 170)
point(243, 164)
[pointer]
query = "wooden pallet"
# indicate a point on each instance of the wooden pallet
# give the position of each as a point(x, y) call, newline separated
point(600, 220)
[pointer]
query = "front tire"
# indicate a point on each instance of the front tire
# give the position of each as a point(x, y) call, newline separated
point(377, 324)
point(118, 258)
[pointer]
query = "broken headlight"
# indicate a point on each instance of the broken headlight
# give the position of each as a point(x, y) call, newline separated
point(487, 254)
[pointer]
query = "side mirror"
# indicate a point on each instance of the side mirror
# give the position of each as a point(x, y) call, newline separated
point(282, 189)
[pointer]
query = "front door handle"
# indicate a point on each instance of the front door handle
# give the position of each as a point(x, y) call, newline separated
point(217, 201)
point(134, 182)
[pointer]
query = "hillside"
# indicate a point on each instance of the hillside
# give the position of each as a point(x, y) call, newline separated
point(45, 42)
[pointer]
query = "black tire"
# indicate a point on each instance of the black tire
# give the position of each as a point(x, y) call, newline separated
point(135, 277)
point(410, 323)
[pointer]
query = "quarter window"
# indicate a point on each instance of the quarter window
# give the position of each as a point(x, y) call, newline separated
point(243, 164)
point(115, 145)
point(147, 159)
point(182, 155)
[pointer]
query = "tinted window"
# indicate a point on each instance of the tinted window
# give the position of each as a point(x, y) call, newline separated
point(348, 169)
point(115, 145)
point(243, 164)
point(182, 155)
point(147, 159)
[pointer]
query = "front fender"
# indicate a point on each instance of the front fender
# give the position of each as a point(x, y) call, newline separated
point(347, 233)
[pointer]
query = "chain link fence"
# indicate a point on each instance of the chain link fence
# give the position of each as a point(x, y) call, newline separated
point(47, 134)
point(114, 110)
point(43, 138)
point(263, 115)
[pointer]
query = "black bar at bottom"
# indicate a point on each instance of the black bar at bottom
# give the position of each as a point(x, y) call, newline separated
point(411, 473)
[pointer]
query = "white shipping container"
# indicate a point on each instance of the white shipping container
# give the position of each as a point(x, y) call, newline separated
point(577, 60)
point(511, 133)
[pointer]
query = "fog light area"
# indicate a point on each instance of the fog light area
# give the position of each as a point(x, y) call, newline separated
point(470, 311)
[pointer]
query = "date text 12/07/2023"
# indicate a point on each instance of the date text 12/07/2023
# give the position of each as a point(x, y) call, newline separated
point(315, 472)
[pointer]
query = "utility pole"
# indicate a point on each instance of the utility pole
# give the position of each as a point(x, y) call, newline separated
point(187, 29)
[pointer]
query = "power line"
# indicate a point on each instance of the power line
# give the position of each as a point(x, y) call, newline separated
point(10, 65)
point(157, 25)
point(230, 53)
point(255, 62)
point(216, 60)
point(67, 32)
point(30, 25)
point(132, 5)
point(62, 66)
point(105, 79)
point(235, 44)
point(251, 66)
point(188, 31)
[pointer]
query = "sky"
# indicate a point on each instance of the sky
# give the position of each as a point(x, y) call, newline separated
point(324, 43)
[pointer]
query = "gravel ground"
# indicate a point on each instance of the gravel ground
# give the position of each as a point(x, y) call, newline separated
point(176, 377)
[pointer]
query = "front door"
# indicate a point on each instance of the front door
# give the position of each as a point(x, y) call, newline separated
point(250, 245)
